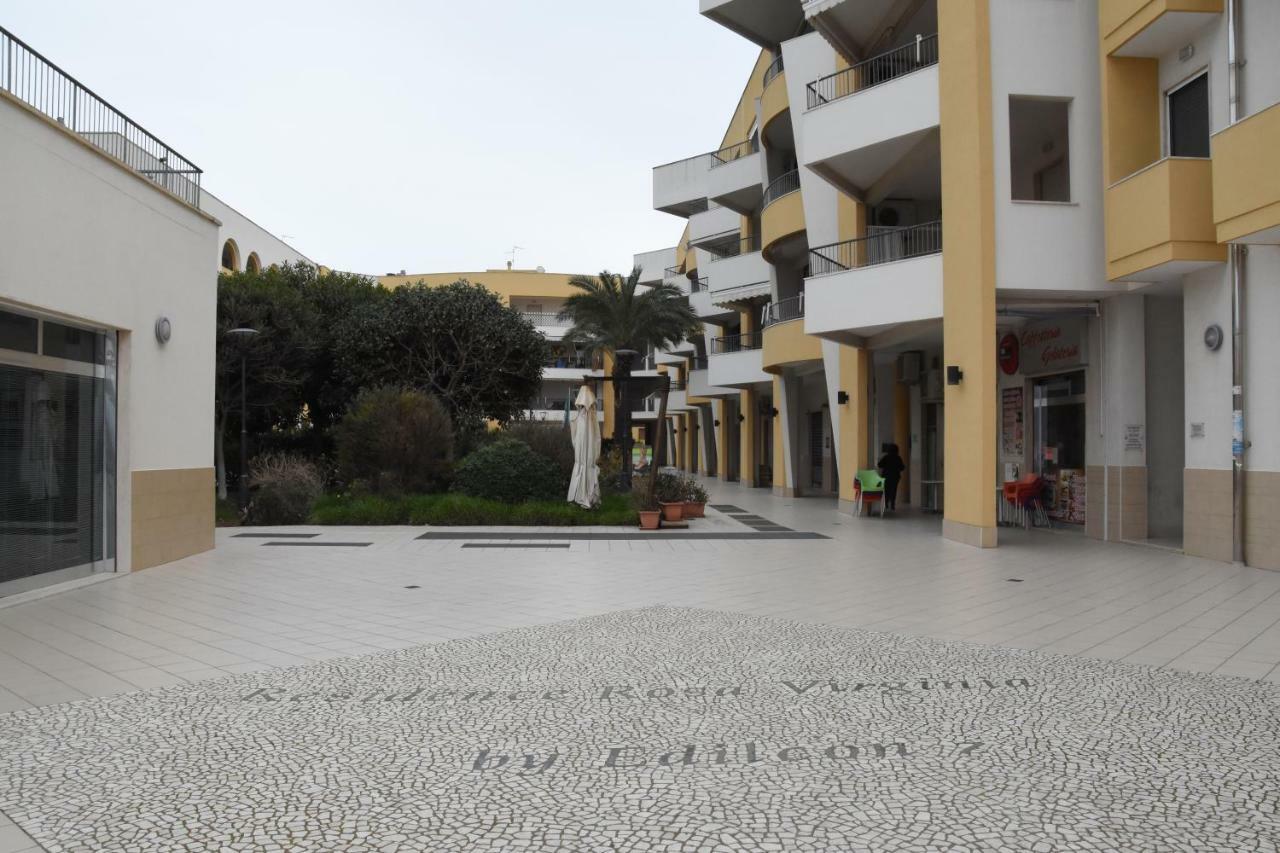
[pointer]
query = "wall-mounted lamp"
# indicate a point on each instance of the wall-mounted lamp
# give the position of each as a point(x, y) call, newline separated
point(164, 330)
point(954, 374)
point(741, 418)
point(842, 397)
point(717, 423)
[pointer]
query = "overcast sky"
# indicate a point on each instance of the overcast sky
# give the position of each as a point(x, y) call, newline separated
point(427, 135)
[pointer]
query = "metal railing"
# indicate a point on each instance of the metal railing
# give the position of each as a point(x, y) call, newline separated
point(573, 362)
point(774, 69)
point(698, 362)
point(546, 318)
point(890, 244)
point(735, 151)
point(736, 343)
point(698, 285)
point(31, 78)
point(780, 186)
point(921, 53)
point(783, 310)
point(741, 246)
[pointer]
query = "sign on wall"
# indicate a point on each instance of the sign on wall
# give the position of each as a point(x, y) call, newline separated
point(1055, 345)
point(1011, 422)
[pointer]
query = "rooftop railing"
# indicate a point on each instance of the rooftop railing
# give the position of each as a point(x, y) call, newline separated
point(783, 310)
point(921, 53)
point(774, 69)
point(782, 185)
point(31, 78)
point(736, 343)
point(890, 244)
point(736, 151)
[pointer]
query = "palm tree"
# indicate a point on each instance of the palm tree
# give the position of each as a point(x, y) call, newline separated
point(618, 315)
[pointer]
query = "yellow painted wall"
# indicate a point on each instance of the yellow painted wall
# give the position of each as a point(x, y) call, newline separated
point(851, 217)
point(505, 283)
point(855, 372)
point(782, 476)
point(786, 343)
point(774, 103)
point(968, 264)
point(723, 460)
point(1246, 176)
point(1121, 20)
point(607, 394)
point(780, 220)
point(744, 113)
point(1164, 213)
point(748, 440)
point(1130, 115)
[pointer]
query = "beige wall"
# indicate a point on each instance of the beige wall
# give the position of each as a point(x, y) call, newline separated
point(172, 515)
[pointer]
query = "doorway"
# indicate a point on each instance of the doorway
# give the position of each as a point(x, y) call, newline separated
point(931, 456)
point(1058, 442)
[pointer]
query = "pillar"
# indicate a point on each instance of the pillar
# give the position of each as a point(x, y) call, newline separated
point(968, 272)
point(607, 398)
point(748, 461)
point(902, 435)
point(851, 369)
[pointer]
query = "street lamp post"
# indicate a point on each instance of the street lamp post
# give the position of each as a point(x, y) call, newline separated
point(244, 334)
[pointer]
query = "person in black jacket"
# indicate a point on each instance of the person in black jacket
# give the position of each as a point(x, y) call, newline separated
point(891, 467)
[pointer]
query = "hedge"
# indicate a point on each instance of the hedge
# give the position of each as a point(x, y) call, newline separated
point(465, 511)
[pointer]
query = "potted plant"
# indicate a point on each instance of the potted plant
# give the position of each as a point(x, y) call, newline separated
point(646, 506)
point(695, 499)
point(669, 489)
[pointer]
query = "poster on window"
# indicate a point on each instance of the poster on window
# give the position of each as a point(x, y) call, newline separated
point(1011, 423)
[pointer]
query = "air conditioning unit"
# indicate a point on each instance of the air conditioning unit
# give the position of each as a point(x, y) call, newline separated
point(910, 367)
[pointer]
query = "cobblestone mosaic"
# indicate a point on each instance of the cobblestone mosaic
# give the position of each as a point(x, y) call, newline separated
point(664, 729)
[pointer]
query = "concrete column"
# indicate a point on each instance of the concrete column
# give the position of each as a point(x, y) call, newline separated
point(787, 435)
point(1119, 506)
point(607, 398)
point(727, 423)
point(968, 268)
point(748, 467)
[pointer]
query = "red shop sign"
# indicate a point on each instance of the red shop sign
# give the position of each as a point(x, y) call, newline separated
point(1008, 354)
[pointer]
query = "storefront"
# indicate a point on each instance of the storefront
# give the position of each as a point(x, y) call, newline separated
point(57, 451)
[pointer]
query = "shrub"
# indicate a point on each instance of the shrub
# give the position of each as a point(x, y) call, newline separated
point(284, 489)
point(610, 465)
point(669, 488)
point(551, 440)
point(694, 491)
point(395, 440)
point(509, 471)
point(640, 494)
point(463, 510)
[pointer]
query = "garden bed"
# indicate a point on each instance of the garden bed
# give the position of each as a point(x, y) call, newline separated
point(456, 510)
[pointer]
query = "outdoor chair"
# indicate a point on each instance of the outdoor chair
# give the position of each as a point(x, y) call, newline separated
point(868, 488)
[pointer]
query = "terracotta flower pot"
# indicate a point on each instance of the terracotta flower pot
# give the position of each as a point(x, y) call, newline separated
point(694, 509)
point(649, 519)
point(672, 511)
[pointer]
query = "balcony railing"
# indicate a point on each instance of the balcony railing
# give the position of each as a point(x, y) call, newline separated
point(698, 285)
point(783, 310)
point(889, 244)
point(734, 248)
point(698, 362)
point(46, 88)
point(546, 318)
point(573, 362)
point(783, 185)
point(735, 151)
point(736, 343)
point(774, 69)
point(921, 53)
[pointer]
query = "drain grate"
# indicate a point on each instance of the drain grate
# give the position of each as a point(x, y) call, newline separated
point(726, 508)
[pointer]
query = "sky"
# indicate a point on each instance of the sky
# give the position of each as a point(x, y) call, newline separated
point(428, 136)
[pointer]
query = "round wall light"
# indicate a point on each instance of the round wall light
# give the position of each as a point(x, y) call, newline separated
point(1213, 337)
point(164, 330)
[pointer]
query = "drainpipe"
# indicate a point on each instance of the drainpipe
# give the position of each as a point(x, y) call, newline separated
point(1236, 269)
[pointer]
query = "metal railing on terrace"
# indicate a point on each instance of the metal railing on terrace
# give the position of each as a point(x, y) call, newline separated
point(31, 78)
point(783, 310)
point(546, 318)
point(698, 285)
point(780, 186)
point(775, 68)
point(736, 343)
point(573, 362)
point(736, 151)
point(921, 53)
point(891, 244)
point(732, 249)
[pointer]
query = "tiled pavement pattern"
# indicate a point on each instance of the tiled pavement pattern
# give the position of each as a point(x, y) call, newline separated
point(245, 608)
point(662, 729)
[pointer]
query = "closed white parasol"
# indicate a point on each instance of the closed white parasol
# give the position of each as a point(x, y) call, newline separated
point(584, 485)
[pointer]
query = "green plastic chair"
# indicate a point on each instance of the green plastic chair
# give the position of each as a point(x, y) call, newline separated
point(870, 489)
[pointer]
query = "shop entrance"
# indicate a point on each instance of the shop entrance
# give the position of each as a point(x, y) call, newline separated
point(931, 450)
point(57, 452)
point(1058, 435)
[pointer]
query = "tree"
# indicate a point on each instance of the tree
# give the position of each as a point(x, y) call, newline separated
point(479, 357)
point(277, 359)
point(615, 314)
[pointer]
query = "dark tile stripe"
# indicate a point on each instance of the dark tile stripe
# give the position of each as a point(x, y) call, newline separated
point(608, 537)
point(275, 535)
point(323, 544)
point(515, 545)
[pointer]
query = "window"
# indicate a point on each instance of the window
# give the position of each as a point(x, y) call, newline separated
point(230, 256)
point(1039, 149)
point(1188, 111)
point(252, 263)
point(18, 332)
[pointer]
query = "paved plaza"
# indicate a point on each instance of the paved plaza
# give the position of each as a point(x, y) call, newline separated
point(872, 686)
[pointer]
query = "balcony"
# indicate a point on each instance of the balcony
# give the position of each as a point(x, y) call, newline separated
point(700, 384)
point(714, 225)
point(680, 188)
point(775, 105)
point(701, 302)
point(1246, 181)
point(871, 119)
point(35, 81)
point(735, 177)
point(1152, 28)
point(735, 361)
point(1159, 221)
point(767, 23)
point(783, 215)
point(548, 323)
point(653, 265)
point(852, 27)
point(861, 288)
point(785, 340)
point(742, 274)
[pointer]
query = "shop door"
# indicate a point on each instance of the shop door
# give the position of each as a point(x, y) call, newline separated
point(1058, 422)
point(57, 453)
point(816, 435)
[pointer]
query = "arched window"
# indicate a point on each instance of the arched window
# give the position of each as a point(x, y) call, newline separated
point(253, 264)
point(230, 256)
